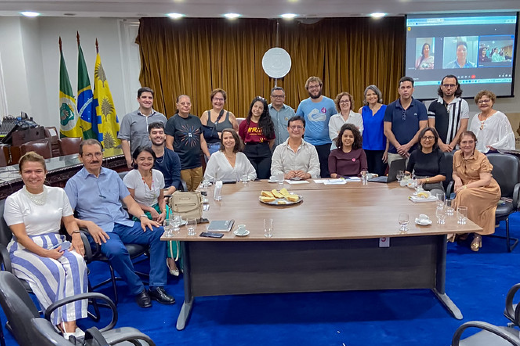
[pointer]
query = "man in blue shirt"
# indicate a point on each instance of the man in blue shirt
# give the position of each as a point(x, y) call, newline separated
point(96, 194)
point(317, 110)
point(404, 119)
point(167, 161)
point(280, 114)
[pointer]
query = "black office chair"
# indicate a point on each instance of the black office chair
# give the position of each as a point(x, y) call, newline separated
point(20, 310)
point(506, 171)
point(489, 335)
point(512, 310)
point(448, 161)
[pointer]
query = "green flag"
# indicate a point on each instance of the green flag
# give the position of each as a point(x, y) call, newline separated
point(69, 125)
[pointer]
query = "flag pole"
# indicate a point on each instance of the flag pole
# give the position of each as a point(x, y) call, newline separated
point(97, 47)
point(77, 37)
point(59, 43)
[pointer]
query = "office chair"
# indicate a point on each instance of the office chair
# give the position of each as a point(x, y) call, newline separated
point(41, 146)
point(69, 146)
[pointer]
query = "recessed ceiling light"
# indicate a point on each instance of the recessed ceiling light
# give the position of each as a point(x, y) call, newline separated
point(232, 15)
point(377, 15)
point(288, 15)
point(175, 15)
point(30, 14)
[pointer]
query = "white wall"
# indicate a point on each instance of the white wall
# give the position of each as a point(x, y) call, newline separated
point(30, 62)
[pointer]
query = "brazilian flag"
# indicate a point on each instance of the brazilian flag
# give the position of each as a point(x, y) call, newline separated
point(85, 98)
point(69, 125)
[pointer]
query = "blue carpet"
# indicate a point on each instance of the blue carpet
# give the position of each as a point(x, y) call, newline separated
point(476, 282)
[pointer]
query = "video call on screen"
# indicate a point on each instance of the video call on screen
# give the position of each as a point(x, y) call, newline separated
point(477, 48)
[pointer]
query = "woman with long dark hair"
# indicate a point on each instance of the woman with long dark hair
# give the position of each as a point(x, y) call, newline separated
point(257, 132)
point(425, 61)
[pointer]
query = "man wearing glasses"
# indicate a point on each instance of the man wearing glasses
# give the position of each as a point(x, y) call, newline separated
point(317, 110)
point(97, 195)
point(296, 158)
point(280, 114)
point(449, 114)
point(404, 119)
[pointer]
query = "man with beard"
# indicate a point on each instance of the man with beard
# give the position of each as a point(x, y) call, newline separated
point(184, 135)
point(97, 195)
point(167, 161)
point(404, 119)
point(134, 126)
point(449, 114)
point(317, 110)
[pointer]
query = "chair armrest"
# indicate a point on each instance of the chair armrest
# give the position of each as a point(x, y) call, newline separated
point(516, 193)
point(514, 340)
point(119, 335)
point(86, 244)
point(5, 259)
point(449, 189)
point(88, 295)
point(510, 311)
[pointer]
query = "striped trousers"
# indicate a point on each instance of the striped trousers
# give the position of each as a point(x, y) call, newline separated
point(52, 280)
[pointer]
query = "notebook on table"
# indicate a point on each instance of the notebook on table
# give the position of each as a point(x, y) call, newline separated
point(395, 166)
point(221, 225)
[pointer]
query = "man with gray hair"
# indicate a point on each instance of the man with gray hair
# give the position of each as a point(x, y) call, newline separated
point(280, 114)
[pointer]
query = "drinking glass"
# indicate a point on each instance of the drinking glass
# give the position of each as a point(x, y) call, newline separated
point(449, 207)
point(462, 214)
point(407, 176)
point(400, 175)
point(364, 177)
point(244, 179)
point(441, 215)
point(280, 178)
point(440, 200)
point(167, 225)
point(268, 228)
point(404, 218)
point(192, 224)
point(176, 221)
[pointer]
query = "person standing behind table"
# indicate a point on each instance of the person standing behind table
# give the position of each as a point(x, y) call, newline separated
point(375, 143)
point(166, 161)
point(317, 110)
point(257, 132)
point(492, 128)
point(97, 194)
point(280, 115)
point(229, 163)
point(404, 119)
point(295, 157)
point(184, 134)
point(344, 104)
point(475, 187)
point(34, 215)
point(428, 162)
point(217, 118)
point(462, 54)
point(449, 114)
point(349, 159)
point(134, 126)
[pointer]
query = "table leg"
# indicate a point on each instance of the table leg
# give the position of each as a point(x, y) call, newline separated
point(440, 281)
point(184, 315)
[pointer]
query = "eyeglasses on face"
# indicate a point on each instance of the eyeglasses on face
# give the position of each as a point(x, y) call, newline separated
point(483, 101)
point(344, 102)
point(278, 96)
point(90, 156)
point(428, 138)
point(296, 127)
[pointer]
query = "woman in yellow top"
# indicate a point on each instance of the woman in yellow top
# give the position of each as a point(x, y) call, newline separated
point(475, 187)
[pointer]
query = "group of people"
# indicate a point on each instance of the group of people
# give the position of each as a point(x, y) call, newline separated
point(338, 142)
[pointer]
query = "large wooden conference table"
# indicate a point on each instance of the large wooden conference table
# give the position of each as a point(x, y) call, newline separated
point(334, 234)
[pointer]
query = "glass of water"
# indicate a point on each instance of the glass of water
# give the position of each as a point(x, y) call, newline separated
point(441, 215)
point(268, 228)
point(244, 179)
point(404, 218)
point(449, 207)
point(440, 200)
point(167, 225)
point(462, 215)
point(192, 224)
point(400, 175)
point(176, 221)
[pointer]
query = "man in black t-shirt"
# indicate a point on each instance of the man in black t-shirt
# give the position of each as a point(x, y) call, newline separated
point(184, 136)
point(167, 161)
point(449, 114)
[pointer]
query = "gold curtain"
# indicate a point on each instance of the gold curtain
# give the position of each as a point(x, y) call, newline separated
point(194, 56)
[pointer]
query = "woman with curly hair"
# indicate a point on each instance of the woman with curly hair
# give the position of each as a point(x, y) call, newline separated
point(349, 158)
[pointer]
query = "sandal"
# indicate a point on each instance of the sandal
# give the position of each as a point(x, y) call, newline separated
point(476, 244)
point(451, 237)
point(172, 267)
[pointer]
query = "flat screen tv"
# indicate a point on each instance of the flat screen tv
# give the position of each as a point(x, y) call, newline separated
point(478, 48)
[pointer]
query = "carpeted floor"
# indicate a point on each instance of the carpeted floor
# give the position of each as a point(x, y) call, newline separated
point(476, 282)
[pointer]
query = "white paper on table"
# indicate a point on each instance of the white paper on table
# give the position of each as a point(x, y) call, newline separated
point(294, 182)
point(354, 178)
point(320, 181)
point(339, 181)
point(416, 199)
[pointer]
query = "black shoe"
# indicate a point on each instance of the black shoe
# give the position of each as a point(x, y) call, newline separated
point(143, 299)
point(160, 295)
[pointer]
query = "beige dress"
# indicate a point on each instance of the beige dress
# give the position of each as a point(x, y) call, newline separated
point(481, 201)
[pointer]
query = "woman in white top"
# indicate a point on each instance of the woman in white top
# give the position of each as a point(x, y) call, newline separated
point(344, 105)
point(492, 128)
point(34, 215)
point(229, 163)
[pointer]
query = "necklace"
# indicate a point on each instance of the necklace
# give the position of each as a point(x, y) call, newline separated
point(38, 199)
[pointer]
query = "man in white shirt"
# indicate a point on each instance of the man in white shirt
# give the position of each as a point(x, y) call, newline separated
point(296, 158)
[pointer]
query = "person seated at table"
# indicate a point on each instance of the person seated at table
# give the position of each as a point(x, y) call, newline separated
point(34, 215)
point(475, 187)
point(296, 158)
point(229, 163)
point(492, 128)
point(349, 158)
point(146, 186)
point(427, 162)
point(257, 132)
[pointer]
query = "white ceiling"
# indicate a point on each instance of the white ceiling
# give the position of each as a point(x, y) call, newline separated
point(247, 8)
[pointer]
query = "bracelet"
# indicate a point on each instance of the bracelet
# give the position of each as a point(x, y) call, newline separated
point(76, 232)
point(140, 216)
point(427, 180)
